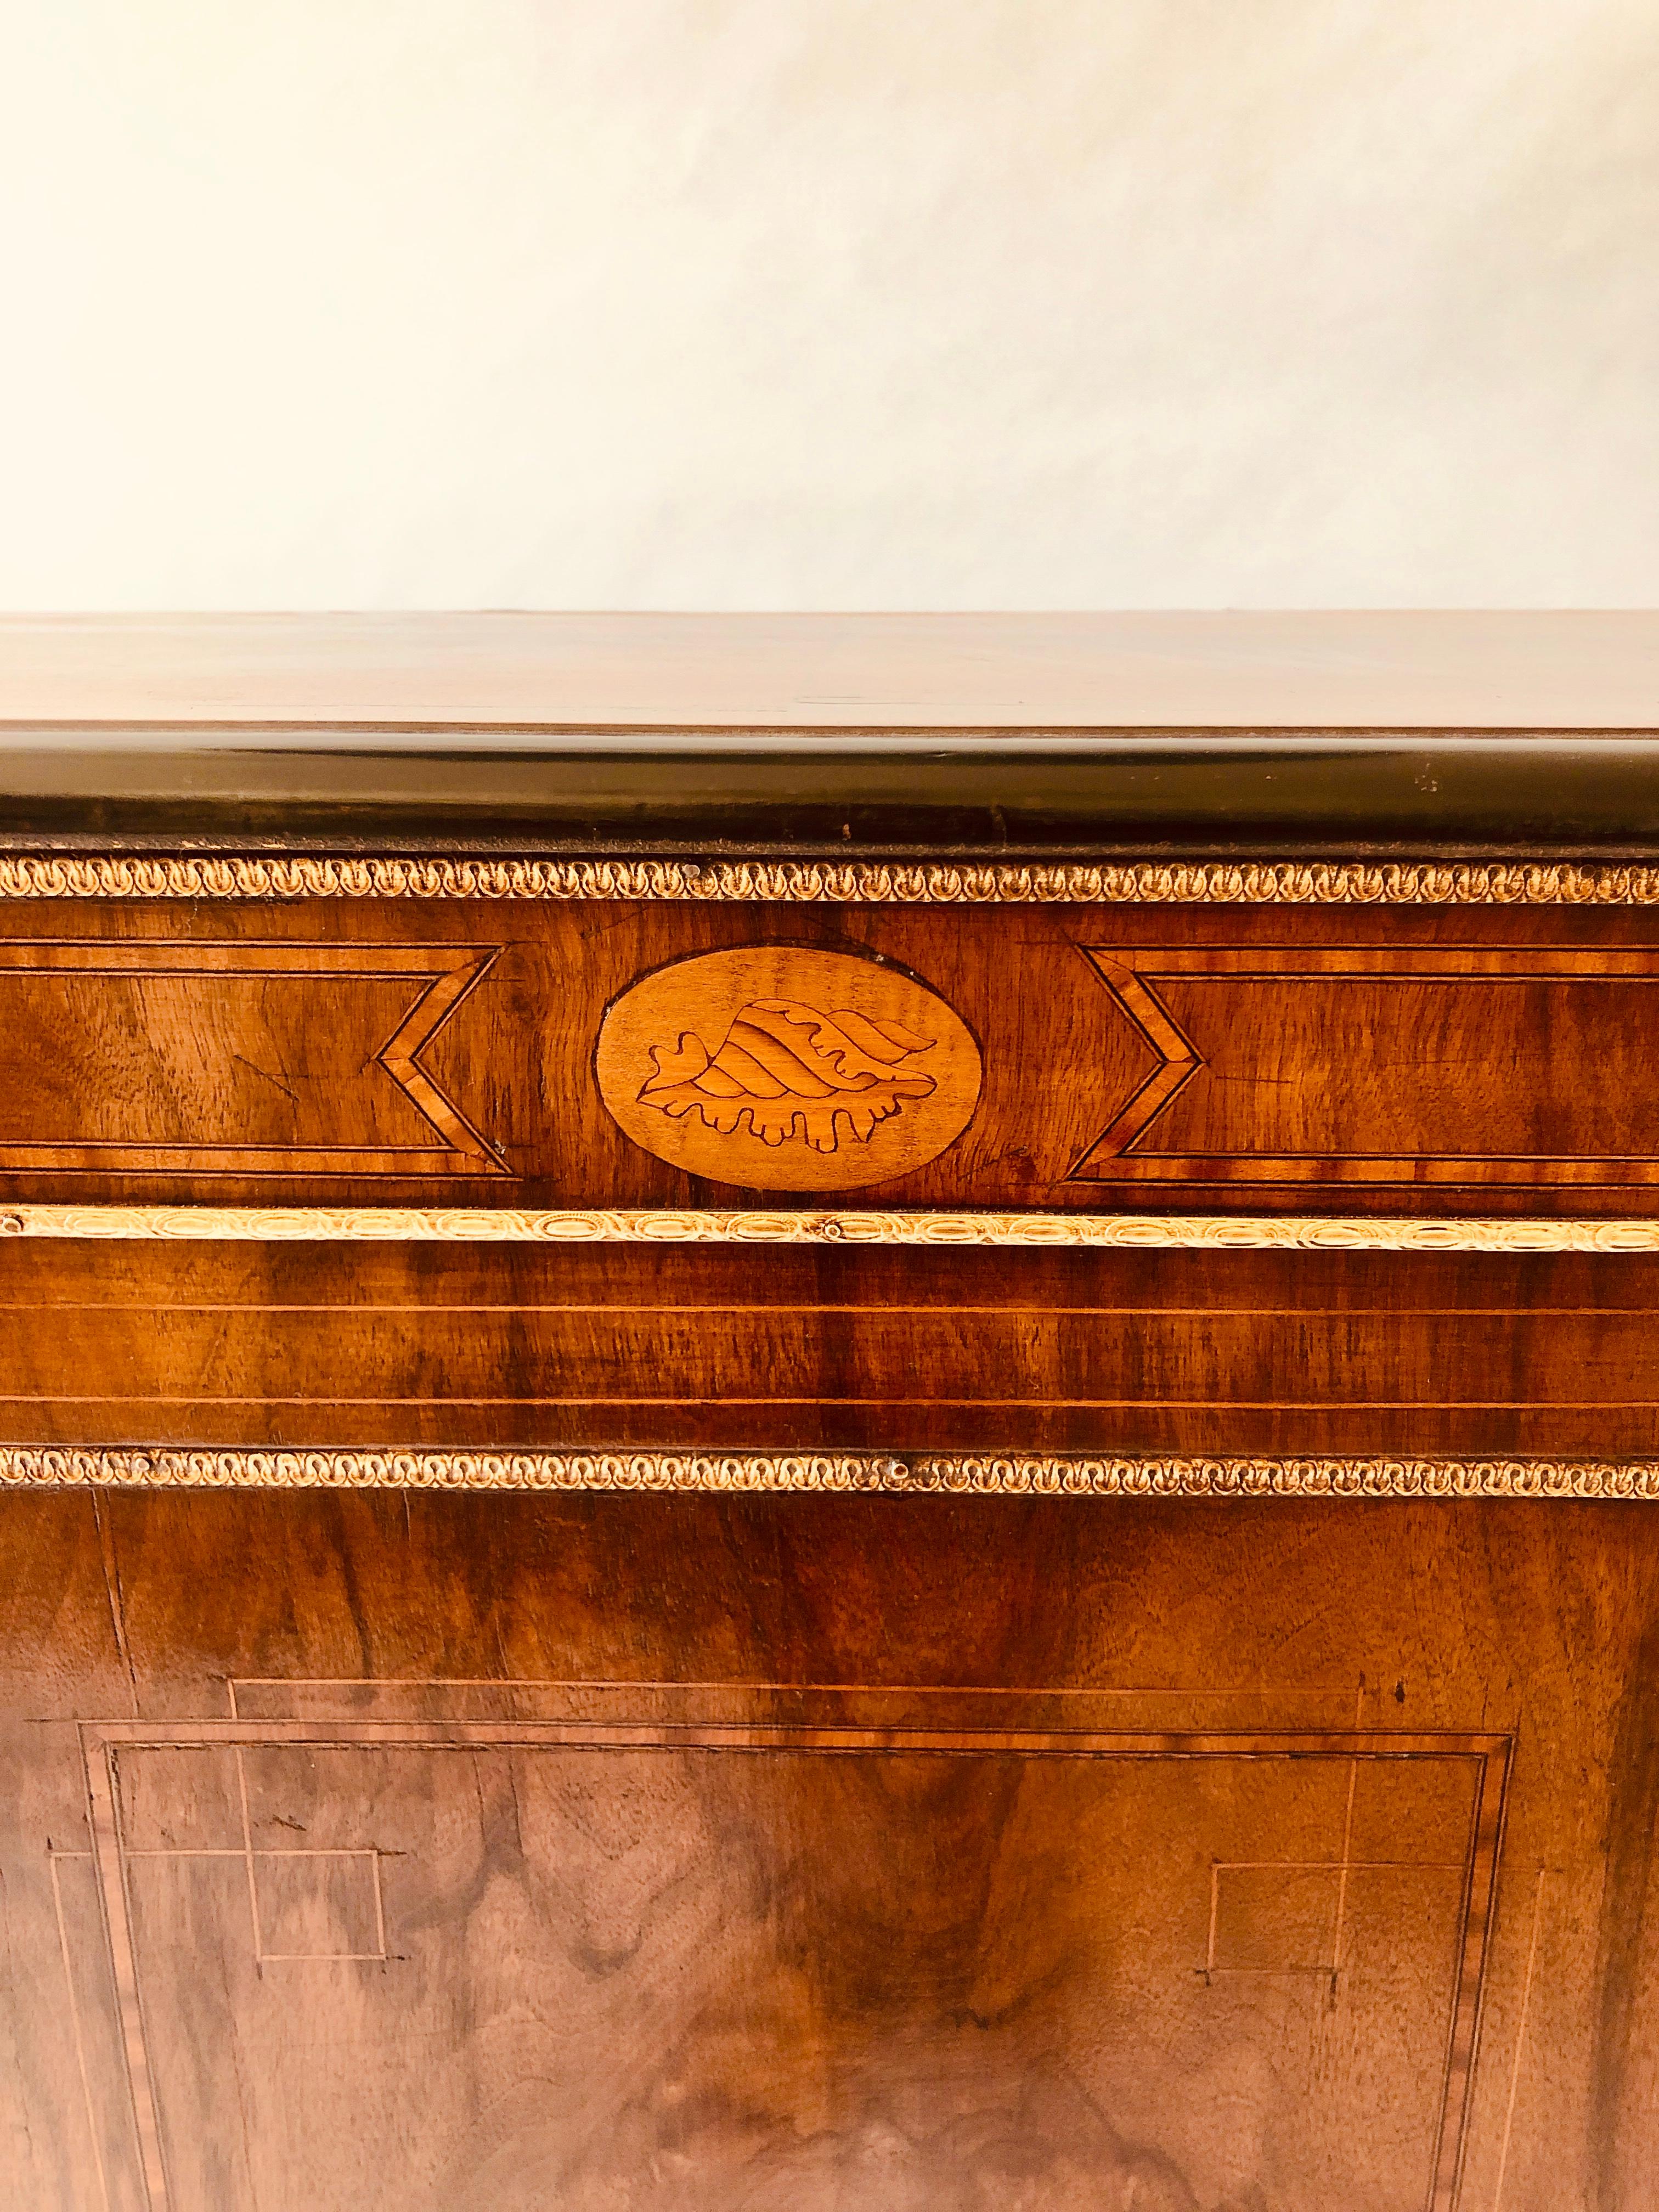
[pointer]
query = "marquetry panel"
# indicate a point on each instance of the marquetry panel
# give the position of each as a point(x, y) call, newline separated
point(704, 1347)
point(618, 1053)
point(682, 1853)
point(247, 1856)
point(1524, 1067)
point(782, 1067)
point(233, 1059)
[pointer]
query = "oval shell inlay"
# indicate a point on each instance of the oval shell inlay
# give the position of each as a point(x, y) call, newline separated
point(779, 1068)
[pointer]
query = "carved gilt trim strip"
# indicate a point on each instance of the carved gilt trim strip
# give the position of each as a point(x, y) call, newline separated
point(1019, 1231)
point(951, 1473)
point(459, 876)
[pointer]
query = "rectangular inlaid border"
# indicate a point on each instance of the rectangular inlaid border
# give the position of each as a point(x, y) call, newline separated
point(1122, 1155)
point(103, 1741)
point(448, 974)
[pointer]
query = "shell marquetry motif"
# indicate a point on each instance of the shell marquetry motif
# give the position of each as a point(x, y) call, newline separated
point(784, 1067)
point(791, 1071)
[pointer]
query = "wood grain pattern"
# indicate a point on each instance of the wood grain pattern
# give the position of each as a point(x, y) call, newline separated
point(1246, 1802)
point(920, 1852)
point(1334, 1018)
point(242, 1058)
point(1423, 1060)
point(1189, 1352)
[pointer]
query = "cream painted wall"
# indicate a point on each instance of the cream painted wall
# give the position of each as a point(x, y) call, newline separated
point(829, 303)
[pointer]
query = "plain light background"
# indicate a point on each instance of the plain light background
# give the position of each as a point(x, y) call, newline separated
point(829, 303)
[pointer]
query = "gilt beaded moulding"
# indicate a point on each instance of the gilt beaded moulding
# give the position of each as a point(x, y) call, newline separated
point(927, 1473)
point(1067, 1232)
point(459, 876)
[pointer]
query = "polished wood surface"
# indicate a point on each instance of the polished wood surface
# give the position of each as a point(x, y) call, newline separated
point(1224, 735)
point(1456, 1354)
point(1441, 1060)
point(206, 801)
point(1252, 671)
point(1131, 1851)
point(683, 1853)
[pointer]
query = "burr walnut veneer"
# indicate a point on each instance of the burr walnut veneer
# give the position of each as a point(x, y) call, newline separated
point(821, 1414)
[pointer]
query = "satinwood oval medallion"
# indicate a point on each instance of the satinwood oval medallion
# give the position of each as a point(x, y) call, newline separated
point(779, 1067)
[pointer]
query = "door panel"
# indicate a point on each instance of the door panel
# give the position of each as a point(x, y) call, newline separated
point(451, 1851)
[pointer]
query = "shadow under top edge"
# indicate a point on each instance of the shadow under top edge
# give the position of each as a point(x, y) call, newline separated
point(1018, 795)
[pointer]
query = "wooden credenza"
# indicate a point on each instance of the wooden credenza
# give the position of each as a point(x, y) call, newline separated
point(808, 1414)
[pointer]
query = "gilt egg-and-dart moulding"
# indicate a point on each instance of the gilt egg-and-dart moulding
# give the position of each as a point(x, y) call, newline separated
point(779, 1068)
